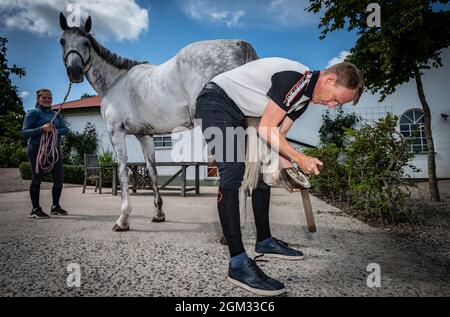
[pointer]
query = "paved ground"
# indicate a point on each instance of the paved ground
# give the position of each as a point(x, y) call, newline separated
point(10, 181)
point(182, 257)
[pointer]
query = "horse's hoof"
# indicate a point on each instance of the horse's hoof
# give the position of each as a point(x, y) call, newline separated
point(157, 219)
point(116, 228)
point(223, 241)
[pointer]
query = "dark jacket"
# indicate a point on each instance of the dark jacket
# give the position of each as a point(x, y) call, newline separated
point(36, 118)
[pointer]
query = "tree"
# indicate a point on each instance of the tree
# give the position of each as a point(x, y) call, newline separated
point(333, 130)
point(86, 95)
point(75, 144)
point(410, 40)
point(11, 107)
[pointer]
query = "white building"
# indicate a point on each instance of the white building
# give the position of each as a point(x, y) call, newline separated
point(405, 103)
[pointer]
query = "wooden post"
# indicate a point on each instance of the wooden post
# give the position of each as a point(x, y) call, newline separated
point(134, 171)
point(308, 210)
point(197, 179)
point(183, 181)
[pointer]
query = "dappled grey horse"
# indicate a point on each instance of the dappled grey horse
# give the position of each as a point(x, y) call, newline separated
point(142, 99)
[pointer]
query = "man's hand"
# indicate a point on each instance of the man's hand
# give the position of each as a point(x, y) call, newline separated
point(270, 132)
point(309, 164)
point(47, 128)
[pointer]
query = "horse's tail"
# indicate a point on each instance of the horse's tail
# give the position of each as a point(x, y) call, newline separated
point(252, 158)
point(248, 52)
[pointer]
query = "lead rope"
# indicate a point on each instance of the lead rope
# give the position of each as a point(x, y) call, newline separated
point(48, 153)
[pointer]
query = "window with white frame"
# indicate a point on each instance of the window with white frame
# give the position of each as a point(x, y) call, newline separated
point(163, 142)
point(412, 128)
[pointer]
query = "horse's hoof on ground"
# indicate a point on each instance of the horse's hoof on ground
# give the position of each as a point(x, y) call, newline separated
point(223, 241)
point(156, 219)
point(116, 228)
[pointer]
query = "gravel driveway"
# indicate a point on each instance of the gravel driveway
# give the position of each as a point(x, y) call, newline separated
point(182, 257)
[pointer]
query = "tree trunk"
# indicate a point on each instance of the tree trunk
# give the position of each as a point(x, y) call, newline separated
point(433, 185)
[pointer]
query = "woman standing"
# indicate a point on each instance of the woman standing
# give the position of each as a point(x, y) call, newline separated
point(37, 122)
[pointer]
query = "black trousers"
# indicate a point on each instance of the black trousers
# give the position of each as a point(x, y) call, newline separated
point(223, 125)
point(36, 178)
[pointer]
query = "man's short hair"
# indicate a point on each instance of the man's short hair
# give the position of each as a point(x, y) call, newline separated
point(349, 76)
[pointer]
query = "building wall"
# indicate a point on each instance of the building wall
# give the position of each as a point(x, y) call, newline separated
point(77, 118)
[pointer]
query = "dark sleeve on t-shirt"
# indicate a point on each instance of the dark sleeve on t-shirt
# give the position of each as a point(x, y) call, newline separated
point(282, 83)
point(296, 114)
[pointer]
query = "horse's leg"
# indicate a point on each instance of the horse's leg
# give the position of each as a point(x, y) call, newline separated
point(148, 148)
point(243, 206)
point(117, 138)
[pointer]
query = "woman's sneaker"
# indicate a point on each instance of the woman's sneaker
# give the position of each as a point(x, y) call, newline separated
point(57, 210)
point(251, 278)
point(278, 249)
point(37, 213)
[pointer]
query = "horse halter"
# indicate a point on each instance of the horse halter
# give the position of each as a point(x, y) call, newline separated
point(87, 64)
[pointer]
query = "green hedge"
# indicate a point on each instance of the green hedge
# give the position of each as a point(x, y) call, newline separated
point(73, 174)
point(11, 154)
point(367, 171)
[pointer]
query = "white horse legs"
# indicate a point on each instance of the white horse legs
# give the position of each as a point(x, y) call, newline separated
point(117, 138)
point(243, 206)
point(148, 148)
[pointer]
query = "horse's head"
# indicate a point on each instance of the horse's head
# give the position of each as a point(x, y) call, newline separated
point(76, 48)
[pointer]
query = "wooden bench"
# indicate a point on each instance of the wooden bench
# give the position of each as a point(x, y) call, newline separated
point(140, 180)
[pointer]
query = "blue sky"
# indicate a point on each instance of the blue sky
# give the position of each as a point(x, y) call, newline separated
point(155, 30)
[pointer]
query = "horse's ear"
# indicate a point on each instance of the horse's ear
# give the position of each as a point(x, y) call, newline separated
point(63, 21)
point(87, 26)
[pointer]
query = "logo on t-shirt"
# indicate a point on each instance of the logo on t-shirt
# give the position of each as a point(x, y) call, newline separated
point(296, 91)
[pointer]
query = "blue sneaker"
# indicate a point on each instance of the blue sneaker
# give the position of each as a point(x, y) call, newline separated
point(277, 249)
point(251, 278)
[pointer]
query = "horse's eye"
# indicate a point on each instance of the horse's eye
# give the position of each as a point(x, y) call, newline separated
point(62, 41)
point(86, 43)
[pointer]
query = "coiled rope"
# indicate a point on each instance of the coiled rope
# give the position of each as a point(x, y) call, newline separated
point(48, 153)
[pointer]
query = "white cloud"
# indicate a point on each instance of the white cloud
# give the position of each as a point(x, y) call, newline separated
point(291, 12)
point(212, 11)
point(238, 13)
point(121, 20)
point(231, 19)
point(338, 59)
point(23, 94)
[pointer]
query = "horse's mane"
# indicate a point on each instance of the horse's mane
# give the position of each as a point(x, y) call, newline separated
point(110, 57)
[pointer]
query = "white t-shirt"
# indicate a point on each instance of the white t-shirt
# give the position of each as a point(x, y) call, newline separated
point(288, 83)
